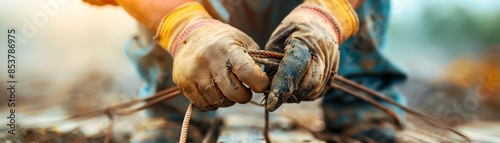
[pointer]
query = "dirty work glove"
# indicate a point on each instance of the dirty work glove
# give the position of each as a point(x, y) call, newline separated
point(101, 2)
point(309, 37)
point(211, 63)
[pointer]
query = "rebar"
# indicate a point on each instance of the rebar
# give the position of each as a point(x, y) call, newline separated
point(393, 115)
point(109, 133)
point(270, 59)
point(265, 54)
point(422, 116)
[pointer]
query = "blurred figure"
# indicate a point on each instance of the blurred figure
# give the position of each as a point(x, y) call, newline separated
point(489, 82)
point(480, 79)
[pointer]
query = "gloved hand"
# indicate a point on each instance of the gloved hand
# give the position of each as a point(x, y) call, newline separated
point(211, 63)
point(309, 37)
point(101, 2)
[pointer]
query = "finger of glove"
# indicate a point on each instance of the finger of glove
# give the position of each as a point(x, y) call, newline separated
point(290, 73)
point(232, 88)
point(190, 90)
point(246, 70)
point(209, 89)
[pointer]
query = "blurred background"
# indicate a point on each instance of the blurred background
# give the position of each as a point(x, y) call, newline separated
point(451, 52)
point(71, 56)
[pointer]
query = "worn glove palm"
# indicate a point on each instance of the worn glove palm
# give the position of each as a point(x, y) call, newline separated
point(210, 59)
point(309, 37)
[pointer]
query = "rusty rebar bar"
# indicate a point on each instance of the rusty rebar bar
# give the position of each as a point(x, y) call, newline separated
point(393, 115)
point(270, 59)
point(267, 136)
point(422, 116)
point(267, 62)
point(109, 133)
point(265, 54)
point(185, 123)
point(151, 102)
point(117, 109)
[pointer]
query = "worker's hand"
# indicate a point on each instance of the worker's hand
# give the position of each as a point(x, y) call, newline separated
point(101, 2)
point(309, 37)
point(211, 64)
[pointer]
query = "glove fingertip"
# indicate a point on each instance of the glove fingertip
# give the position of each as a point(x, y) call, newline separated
point(273, 102)
point(290, 73)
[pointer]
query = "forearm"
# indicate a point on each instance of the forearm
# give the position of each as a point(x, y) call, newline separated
point(150, 12)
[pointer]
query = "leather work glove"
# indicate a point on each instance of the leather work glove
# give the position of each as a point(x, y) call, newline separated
point(309, 37)
point(101, 2)
point(211, 63)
